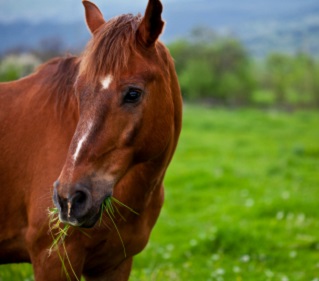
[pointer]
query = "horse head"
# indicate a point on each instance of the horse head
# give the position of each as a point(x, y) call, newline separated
point(129, 109)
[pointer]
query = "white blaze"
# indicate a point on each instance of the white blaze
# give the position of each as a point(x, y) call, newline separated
point(82, 140)
point(106, 81)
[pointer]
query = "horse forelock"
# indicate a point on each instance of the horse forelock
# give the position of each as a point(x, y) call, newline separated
point(110, 48)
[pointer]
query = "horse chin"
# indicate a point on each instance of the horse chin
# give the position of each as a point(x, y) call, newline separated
point(91, 222)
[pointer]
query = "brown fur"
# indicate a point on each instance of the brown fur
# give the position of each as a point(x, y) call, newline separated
point(61, 125)
point(111, 47)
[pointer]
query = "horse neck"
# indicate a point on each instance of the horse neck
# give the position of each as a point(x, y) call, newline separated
point(32, 130)
point(50, 100)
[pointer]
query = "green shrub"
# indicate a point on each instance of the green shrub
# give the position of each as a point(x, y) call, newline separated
point(14, 67)
point(196, 80)
point(218, 71)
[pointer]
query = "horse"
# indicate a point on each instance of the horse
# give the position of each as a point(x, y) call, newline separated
point(79, 131)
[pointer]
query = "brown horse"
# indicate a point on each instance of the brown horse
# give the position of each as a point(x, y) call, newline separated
point(101, 125)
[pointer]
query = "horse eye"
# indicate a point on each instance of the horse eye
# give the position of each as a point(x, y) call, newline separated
point(132, 96)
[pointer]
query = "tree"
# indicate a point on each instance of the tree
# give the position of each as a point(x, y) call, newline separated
point(13, 67)
point(213, 68)
point(196, 80)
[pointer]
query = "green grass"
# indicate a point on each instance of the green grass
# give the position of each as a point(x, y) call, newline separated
point(242, 197)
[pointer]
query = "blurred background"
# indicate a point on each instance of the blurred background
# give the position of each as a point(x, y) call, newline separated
point(260, 53)
point(242, 192)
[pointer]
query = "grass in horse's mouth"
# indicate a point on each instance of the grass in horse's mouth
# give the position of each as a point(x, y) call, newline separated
point(60, 231)
point(59, 234)
point(109, 208)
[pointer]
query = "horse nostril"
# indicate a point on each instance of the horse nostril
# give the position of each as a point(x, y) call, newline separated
point(80, 203)
point(78, 199)
point(60, 203)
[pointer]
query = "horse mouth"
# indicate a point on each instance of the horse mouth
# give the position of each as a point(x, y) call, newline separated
point(90, 222)
point(80, 209)
point(87, 222)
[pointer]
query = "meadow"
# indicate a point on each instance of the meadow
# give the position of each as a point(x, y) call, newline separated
point(242, 198)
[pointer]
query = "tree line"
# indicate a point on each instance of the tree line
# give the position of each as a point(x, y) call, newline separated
point(216, 70)
point(219, 71)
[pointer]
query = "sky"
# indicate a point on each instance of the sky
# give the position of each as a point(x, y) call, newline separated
point(64, 10)
point(72, 10)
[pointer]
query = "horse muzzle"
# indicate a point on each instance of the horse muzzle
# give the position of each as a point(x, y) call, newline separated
point(75, 205)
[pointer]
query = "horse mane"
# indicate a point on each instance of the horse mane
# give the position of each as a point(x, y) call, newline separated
point(59, 75)
point(110, 48)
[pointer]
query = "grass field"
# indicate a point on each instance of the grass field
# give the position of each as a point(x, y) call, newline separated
point(242, 201)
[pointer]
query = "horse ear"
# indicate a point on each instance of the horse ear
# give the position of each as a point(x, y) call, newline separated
point(152, 25)
point(94, 17)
